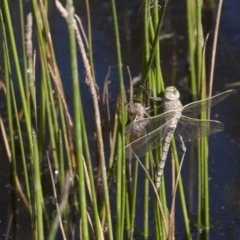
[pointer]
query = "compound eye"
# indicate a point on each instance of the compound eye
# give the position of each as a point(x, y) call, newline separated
point(171, 93)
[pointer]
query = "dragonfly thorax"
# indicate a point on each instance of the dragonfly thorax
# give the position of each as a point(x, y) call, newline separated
point(172, 105)
point(171, 99)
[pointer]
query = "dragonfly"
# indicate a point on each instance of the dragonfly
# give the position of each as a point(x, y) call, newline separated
point(148, 133)
point(137, 111)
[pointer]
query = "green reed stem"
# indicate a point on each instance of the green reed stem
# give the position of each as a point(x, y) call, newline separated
point(191, 45)
point(119, 191)
point(203, 219)
point(89, 26)
point(51, 111)
point(199, 41)
point(120, 201)
point(133, 199)
point(203, 214)
point(12, 157)
point(127, 215)
point(77, 120)
point(123, 196)
point(146, 199)
point(152, 73)
point(38, 187)
point(155, 45)
point(157, 23)
point(159, 229)
point(24, 153)
point(22, 26)
point(181, 193)
point(30, 133)
point(98, 229)
point(17, 67)
point(61, 159)
point(112, 160)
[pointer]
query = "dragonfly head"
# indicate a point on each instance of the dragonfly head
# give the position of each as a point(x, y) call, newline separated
point(171, 93)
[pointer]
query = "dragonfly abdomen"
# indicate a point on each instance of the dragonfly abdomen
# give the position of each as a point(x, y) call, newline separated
point(165, 149)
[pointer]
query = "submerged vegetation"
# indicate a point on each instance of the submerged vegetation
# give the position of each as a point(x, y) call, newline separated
point(49, 144)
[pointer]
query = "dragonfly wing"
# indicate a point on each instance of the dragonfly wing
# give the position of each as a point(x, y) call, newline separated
point(193, 109)
point(142, 145)
point(148, 125)
point(190, 129)
point(138, 127)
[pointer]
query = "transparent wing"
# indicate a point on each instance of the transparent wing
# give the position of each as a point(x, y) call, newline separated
point(151, 140)
point(193, 109)
point(148, 125)
point(148, 133)
point(188, 128)
point(191, 129)
point(138, 127)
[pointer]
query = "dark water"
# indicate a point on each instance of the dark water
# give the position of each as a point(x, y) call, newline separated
point(224, 158)
point(225, 151)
